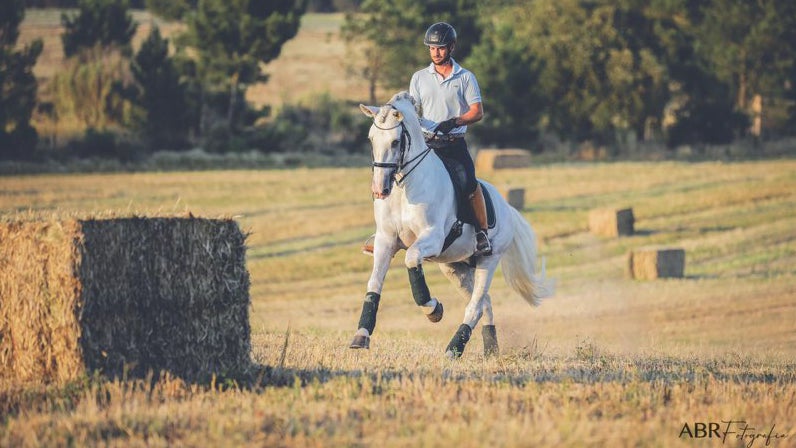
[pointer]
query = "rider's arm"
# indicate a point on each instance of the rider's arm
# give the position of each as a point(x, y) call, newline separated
point(474, 114)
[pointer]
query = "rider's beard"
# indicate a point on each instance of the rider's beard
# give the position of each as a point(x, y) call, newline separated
point(445, 61)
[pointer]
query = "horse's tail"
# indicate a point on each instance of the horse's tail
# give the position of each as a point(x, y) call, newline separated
point(519, 263)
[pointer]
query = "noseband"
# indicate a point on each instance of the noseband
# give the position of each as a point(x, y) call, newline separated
point(405, 142)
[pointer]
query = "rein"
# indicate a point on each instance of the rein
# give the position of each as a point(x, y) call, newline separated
point(406, 141)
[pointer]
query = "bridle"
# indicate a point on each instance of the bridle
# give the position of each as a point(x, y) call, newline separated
point(405, 142)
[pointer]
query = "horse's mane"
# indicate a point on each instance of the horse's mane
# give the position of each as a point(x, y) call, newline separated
point(404, 103)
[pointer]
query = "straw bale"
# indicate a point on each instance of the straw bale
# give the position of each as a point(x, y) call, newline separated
point(589, 152)
point(611, 222)
point(495, 159)
point(650, 263)
point(123, 297)
point(514, 196)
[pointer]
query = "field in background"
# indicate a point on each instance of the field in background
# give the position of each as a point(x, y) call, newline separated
point(608, 361)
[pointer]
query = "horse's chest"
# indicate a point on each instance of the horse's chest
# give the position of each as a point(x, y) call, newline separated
point(407, 224)
point(407, 228)
point(404, 218)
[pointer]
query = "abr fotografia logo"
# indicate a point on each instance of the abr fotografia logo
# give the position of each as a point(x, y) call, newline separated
point(733, 431)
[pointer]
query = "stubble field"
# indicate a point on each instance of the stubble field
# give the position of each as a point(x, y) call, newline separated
point(607, 362)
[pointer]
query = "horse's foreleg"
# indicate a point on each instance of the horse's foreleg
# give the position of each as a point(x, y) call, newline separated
point(383, 251)
point(431, 306)
point(427, 245)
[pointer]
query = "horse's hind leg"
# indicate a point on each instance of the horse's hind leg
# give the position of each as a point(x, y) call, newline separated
point(462, 275)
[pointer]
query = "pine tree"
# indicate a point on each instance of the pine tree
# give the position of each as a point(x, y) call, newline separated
point(159, 93)
point(106, 23)
point(233, 38)
point(18, 86)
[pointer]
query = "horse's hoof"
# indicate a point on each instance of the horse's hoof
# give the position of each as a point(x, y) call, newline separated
point(436, 315)
point(490, 340)
point(360, 341)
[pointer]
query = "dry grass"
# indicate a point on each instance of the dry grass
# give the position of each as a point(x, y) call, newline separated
point(607, 362)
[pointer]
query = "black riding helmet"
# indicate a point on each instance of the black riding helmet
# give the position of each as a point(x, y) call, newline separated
point(440, 34)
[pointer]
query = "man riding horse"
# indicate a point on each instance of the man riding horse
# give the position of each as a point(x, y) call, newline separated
point(450, 100)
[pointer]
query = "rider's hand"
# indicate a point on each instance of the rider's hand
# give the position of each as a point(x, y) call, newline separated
point(446, 126)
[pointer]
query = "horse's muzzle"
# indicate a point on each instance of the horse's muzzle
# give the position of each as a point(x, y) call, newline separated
point(382, 182)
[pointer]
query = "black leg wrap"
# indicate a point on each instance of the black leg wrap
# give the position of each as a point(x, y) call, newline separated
point(490, 340)
point(459, 340)
point(367, 319)
point(417, 280)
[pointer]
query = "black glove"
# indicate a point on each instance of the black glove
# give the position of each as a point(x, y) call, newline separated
point(446, 126)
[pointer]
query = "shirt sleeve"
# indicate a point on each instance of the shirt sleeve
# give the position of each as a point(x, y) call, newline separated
point(472, 93)
point(413, 88)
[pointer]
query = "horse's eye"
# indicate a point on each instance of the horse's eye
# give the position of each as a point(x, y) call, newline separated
point(395, 143)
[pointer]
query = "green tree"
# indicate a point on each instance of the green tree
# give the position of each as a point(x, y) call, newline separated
point(603, 78)
point(751, 46)
point(508, 75)
point(706, 114)
point(171, 9)
point(233, 37)
point(159, 93)
point(790, 95)
point(385, 39)
point(18, 86)
point(98, 22)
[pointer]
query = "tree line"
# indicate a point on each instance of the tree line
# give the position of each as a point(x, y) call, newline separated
point(679, 71)
point(169, 99)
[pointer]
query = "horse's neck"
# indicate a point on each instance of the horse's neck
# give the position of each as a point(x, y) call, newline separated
point(428, 179)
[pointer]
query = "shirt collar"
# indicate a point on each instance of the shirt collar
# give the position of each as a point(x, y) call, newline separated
point(456, 68)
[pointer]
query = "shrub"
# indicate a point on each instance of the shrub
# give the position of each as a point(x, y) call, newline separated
point(106, 145)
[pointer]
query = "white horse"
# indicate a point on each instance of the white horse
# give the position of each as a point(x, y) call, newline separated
point(415, 208)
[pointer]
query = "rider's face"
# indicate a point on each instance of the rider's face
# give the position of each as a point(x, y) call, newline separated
point(439, 55)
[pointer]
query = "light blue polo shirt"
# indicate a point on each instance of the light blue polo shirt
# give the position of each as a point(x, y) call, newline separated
point(443, 99)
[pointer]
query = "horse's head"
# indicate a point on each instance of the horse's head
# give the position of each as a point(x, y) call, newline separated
point(388, 138)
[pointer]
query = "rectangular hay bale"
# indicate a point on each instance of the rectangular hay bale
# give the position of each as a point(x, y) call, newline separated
point(650, 263)
point(612, 222)
point(495, 159)
point(514, 196)
point(123, 296)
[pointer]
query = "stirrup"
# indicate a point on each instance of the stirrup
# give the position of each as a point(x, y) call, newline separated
point(367, 247)
point(483, 247)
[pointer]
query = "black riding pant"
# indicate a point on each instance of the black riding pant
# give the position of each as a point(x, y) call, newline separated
point(454, 154)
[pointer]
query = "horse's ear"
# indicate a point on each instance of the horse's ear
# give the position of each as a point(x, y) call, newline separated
point(370, 111)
